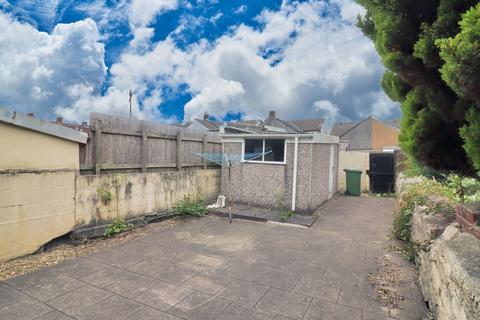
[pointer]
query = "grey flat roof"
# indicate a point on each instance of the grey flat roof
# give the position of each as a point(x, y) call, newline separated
point(42, 126)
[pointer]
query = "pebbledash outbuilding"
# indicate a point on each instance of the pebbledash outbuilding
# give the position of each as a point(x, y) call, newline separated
point(290, 168)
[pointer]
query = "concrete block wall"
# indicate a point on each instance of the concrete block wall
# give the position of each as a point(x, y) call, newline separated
point(34, 209)
point(136, 194)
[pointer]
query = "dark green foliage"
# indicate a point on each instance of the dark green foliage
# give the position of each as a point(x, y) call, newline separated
point(433, 69)
point(118, 226)
point(471, 134)
point(461, 70)
point(192, 206)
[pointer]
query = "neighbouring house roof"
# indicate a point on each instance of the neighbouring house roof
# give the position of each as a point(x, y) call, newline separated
point(272, 123)
point(207, 124)
point(309, 125)
point(279, 123)
point(340, 128)
point(46, 127)
point(359, 135)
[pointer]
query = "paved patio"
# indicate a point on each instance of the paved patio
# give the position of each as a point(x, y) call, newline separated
point(209, 269)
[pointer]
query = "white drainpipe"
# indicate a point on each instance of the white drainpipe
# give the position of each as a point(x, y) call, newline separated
point(294, 187)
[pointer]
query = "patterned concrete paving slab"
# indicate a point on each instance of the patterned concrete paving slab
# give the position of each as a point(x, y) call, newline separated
point(285, 303)
point(200, 306)
point(163, 295)
point(324, 310)
point(209, 269)
point(244, 293)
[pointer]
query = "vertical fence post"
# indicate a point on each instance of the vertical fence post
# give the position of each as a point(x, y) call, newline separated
point(179, 151)
point(204, 150)
point(144, 151)
point(98, 146)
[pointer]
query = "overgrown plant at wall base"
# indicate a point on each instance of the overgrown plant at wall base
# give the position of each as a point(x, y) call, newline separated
point(420, 194)
point(118, 226)
point(287, 215)
point(190, 205)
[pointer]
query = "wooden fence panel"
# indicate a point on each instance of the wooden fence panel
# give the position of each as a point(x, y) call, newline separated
point(119, 144)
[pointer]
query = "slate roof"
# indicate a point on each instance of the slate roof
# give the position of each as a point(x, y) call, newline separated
point(208, 124)
point(340, 128)
point(294, 126)
point(309, 125)
point(279, 123)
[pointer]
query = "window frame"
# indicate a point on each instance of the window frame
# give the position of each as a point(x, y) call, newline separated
point(263, 150)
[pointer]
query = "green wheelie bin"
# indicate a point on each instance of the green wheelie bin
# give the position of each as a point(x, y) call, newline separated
point(353, 182)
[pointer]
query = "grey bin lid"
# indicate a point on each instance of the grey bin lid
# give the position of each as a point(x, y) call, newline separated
point(353, 170)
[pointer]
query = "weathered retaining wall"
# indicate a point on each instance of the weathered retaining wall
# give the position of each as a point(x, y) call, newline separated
point(450, 275)
point(37, 189)
point(34, 209)
point(448, 261)
point(358, 160)
point(135, 194)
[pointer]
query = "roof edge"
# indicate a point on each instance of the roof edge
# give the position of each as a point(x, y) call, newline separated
point(42, 126)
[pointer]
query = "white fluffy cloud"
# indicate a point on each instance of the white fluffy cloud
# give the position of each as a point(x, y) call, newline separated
point(298, 58)
point(37, 69)
point(307, 59)
point(142, 12)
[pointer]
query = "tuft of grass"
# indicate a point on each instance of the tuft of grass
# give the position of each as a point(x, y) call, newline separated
point(118, 226)
point(193, 206)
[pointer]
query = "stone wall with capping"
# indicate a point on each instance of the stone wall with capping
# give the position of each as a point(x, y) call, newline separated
point(449, 264)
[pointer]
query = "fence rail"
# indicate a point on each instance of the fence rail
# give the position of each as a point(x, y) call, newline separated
point(118, 144)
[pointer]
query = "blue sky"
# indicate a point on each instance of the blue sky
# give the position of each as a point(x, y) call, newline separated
point(233, 59)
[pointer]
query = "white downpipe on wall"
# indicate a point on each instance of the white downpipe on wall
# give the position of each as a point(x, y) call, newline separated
point(294, 186)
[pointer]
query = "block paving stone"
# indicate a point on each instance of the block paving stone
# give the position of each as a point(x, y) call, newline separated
point(206, 269)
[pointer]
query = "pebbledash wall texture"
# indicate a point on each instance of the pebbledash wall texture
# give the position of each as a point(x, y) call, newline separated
point(267, 184)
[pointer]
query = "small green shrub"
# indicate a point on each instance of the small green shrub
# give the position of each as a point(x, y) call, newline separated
point(104, 195)
point(466, 189)
point(193, 206)
point(287, 215)
point(118, 226)
point(419, 194)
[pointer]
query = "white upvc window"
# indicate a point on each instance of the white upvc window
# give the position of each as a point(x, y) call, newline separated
point(272, 150)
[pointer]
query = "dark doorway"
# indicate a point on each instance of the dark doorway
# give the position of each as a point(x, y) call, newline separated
point(382, 173)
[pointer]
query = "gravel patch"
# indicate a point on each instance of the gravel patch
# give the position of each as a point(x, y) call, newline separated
point(66, 250)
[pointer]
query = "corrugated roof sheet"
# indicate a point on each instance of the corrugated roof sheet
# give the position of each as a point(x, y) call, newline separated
point(42, 126)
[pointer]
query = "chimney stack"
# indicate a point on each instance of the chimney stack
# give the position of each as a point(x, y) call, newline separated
point(30, 114)
point(59, 120)
point(272, 114)
point(206, 116)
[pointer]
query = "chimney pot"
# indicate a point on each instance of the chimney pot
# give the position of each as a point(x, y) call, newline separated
point(272, 114)
point(59, 120)
point(206, 116)
point(30, 114)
